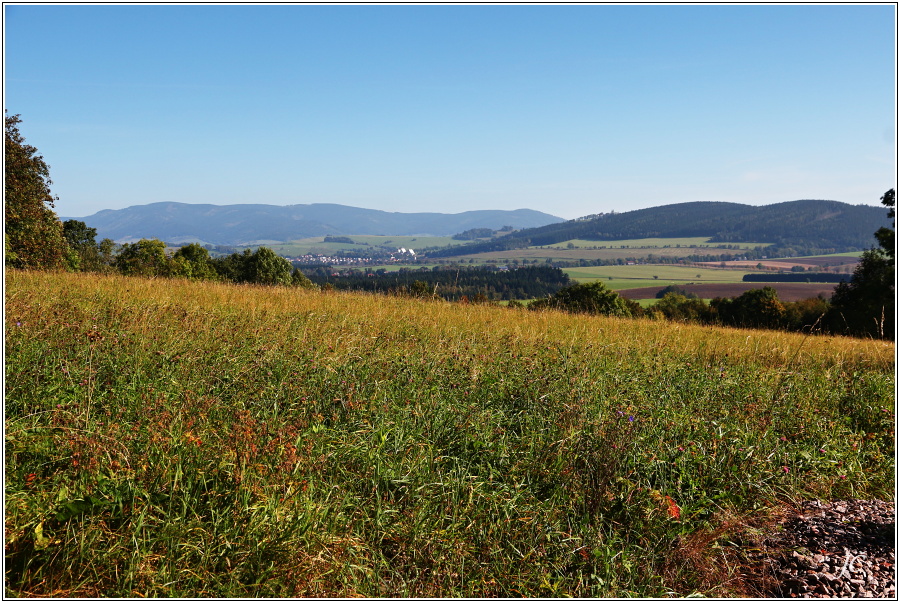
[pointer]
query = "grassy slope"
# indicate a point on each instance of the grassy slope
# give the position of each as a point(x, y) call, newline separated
point(165, 438)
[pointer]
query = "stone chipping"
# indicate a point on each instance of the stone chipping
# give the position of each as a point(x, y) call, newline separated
point(840, 549)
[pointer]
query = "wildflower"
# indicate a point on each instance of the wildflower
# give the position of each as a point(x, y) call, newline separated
point(681, 449)
point(631, 418)
point(821, 450)
point(785, 469)
point(783, 439)
point(843, 477)
point(18, 324)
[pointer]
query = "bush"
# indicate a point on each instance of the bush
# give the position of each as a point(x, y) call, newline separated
point(675, 289)
point(147, 257)
point(587, 298)
point(675, 306)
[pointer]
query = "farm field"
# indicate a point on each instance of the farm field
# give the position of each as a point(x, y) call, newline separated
point(629, 277)
point(557, 253)
point(844, 262)
point(788, 292)
point(653, 243)
point(178, 439)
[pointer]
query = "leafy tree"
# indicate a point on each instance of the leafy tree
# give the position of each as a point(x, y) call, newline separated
point(34, 234)
point(298, 279)
point(674, 289)
point(231, 267)
point(106, 254)
point(756, 308)
point(587, 298)
point(192, 261)
point(865, 305)
point(675, 306)
point(84, 253)
point(264, 267)
point(419, 289)
point(147, 257)
point(885, 235)
point(805, 314)
point(78, 234)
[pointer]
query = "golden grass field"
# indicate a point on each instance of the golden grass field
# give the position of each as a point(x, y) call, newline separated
point(166, 438)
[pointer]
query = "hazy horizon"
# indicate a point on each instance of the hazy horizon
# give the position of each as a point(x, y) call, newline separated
point(449, 212)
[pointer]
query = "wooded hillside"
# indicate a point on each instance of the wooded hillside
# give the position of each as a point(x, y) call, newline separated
point(806, 223)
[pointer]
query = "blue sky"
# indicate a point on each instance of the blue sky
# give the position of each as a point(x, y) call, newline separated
point(570, 110)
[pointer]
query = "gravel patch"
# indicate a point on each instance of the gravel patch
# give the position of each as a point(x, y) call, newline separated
point(841, 549)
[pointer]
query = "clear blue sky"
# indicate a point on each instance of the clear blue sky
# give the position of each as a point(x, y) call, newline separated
point(570, 110)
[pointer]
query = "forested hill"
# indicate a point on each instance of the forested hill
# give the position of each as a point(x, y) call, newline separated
point(806, 223)
point(245, 224)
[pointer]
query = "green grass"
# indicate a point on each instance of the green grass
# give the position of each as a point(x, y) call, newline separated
point(846, 254)
point(663, 271)
point(630, 277)
point(169, 439)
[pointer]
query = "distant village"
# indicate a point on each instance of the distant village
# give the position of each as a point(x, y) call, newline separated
point(401, 255)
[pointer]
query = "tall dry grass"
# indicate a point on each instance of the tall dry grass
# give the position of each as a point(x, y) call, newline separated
point(168, 438)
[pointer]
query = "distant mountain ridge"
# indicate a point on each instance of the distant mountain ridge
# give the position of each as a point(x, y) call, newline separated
point(248, 224)
point(803, 223)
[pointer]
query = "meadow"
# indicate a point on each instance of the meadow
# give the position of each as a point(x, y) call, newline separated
point(652, 275)
point(174, 439)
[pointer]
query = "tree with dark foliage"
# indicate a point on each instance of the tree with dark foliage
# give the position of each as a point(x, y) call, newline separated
point(865, 306)
point(587, 298)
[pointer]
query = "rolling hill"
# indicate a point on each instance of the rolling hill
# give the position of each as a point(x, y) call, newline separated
point(806, 223)
point(248, 224)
